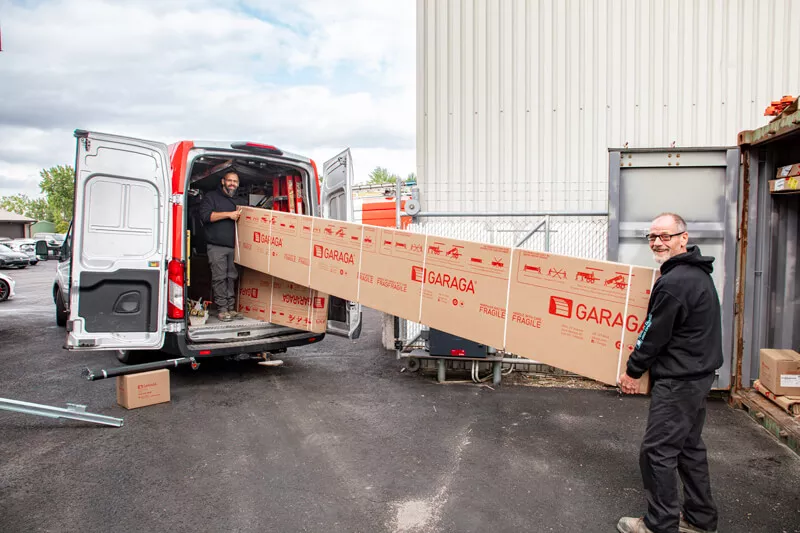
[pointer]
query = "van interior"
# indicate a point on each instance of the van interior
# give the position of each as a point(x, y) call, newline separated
point(265, 184)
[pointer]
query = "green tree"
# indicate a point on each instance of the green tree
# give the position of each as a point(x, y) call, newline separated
point(58, 186)
point(411, 178)
point(20, 204)
point(381, 175)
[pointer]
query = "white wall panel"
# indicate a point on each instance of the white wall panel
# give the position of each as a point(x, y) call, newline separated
point(518, 101)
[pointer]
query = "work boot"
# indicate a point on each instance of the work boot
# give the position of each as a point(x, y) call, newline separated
point(686, 527)
point(628, 524)
point(236, 315)
point(225, 316)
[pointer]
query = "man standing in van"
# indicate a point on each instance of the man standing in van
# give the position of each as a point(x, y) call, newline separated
point(681, 346)
point(219, 213)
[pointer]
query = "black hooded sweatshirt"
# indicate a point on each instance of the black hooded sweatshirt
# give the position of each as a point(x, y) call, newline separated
point(682, 336)
point(222, 232)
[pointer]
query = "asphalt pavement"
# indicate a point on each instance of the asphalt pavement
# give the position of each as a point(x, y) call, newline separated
point(338, 439)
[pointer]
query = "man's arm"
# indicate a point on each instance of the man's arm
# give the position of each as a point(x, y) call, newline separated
point(664, 313)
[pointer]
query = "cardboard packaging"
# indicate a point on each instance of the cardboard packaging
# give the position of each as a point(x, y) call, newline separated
point(389, 259)
point(465, 288)
point(780, 371)
point(785, 186)
point(336, 258)
point(788, 171)
point(578, 315)
point(146, 388)
point(284, 303)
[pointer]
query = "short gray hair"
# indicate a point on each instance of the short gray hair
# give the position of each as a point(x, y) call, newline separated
point(677, 218)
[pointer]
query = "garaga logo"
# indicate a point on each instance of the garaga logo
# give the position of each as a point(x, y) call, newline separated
point(566, 308)
point(446, 280)
point(323, 252)
point(263, 238)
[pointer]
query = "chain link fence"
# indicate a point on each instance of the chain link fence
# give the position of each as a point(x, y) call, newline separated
point(576, 236)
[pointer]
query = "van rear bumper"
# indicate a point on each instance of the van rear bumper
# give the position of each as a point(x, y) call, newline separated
point(175, 344)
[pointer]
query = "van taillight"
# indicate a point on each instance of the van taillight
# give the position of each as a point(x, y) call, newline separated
point(175, 289)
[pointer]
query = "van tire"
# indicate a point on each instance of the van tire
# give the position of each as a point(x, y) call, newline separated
point(61, 310)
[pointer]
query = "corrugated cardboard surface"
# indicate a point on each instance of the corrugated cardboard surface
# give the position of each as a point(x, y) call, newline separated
point(145, 388)
point(779, 370)
point(336, 257)
point(788, 171)
point(284, 303)
point(290, 243)
point(389, 258)
point(465, 289)
point(579, 315)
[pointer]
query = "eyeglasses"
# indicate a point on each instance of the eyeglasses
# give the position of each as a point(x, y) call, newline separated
point(665, 237)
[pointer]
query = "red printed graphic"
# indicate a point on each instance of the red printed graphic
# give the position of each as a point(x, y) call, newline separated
point(532, 268)
point(587, 277)
point(620, 281)
point(557, 273)
point(560, 307)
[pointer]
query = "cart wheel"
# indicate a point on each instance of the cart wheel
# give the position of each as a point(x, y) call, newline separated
point(412, 364)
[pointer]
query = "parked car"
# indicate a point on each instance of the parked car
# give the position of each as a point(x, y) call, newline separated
point(25, 246)
point(6, 287)
point(12, 259)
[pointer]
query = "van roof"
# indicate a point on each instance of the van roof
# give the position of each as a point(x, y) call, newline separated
point(229, 145)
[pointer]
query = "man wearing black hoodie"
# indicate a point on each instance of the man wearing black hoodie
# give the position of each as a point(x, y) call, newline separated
point(681, 346)
point(219, 213)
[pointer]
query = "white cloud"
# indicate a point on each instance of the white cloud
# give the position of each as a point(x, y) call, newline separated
point(308, 75)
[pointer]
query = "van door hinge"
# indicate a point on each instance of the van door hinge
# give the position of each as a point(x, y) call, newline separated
point(86, 143)
point(176, 199)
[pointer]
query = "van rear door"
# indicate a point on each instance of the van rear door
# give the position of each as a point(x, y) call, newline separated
point(119, 244)
point(344, 317)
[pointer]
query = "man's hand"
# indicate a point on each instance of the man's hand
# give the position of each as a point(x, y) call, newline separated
point(628, 384)
point(234, 215)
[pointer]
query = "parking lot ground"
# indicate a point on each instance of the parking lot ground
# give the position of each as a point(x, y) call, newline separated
point(338, 439)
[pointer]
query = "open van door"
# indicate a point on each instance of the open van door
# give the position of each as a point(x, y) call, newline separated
point(344, 317)
point(119, 244)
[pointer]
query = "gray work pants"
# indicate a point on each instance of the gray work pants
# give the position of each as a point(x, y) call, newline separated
point(673, 447)
point(223, 276)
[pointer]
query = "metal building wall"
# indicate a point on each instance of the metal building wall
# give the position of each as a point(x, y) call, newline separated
point(518, 101)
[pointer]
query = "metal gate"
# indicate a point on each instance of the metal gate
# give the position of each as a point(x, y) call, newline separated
point(701, 185)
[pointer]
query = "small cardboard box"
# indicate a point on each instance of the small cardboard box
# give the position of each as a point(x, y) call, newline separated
point(788, 171)
point(780, 371)
point(145, 388)
point(785, 185)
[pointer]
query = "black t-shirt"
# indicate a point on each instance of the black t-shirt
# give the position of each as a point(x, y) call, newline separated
point(222, 232)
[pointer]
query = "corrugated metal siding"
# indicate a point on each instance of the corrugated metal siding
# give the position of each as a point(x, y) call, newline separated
point(518, 101)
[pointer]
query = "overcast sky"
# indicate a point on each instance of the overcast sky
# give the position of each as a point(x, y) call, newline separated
point(309, 76)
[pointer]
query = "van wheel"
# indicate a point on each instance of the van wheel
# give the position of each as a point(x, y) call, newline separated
point(61, 310)
point(5, 291)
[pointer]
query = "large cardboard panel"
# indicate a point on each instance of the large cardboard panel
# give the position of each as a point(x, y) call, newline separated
point(255, 294)
point(290, 241)
point(336, 258)
point(252, 239)
point(389, 259)
point(465, 289)
point(284, 303)
point(575, 314)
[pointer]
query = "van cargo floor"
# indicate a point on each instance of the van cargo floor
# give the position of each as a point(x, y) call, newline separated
point(216, 330)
